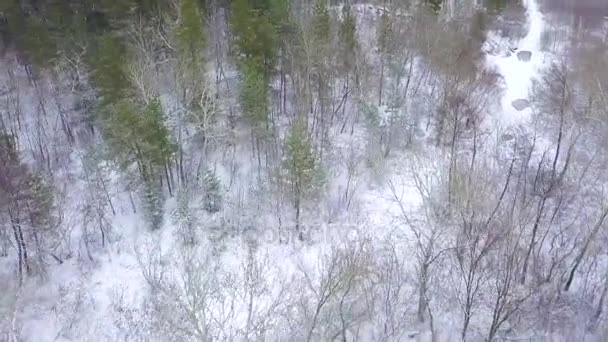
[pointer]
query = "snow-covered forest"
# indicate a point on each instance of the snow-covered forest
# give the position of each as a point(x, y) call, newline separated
point(303, 170)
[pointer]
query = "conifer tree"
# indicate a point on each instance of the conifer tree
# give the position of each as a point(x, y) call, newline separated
point(253, 97)
point(300, 166)
point(38, 43)
point(255, 35)
point(141, 137)
point(212, 201)
point(435, 5)
point(190, 36)
point(321, 27)
point(385, 41)
point(321, 38)
point(108, 75)
point(347, 38)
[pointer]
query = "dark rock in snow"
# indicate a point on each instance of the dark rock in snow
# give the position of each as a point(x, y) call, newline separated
point(524, 56)
point(506, 137)
point(520, 104)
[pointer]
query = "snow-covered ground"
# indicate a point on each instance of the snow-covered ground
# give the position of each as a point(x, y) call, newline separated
point(113, 280)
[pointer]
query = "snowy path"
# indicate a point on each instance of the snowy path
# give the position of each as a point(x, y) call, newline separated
point(518, 74)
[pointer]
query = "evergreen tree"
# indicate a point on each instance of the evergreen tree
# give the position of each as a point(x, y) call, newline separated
point(435, 5)
point(37, 42)
point(107, 60)
point(319, 54)
point(155, 136)
point(27, 201)
point(153, 203)
point(321, 24)
point(347, 41)
point(385, 37)
point(184, 216)
point(212, 201)
point(255, 35)
point(139, 137)
point(300, 165)
point(190, 35)
point(254, 97)
point(385, 34)
point(321, 36)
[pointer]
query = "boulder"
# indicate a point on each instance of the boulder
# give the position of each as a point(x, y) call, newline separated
point(524, 56)
point(506, 137)
point(520, 104)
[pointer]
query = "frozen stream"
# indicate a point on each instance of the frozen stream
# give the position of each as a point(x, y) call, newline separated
point(517, 72)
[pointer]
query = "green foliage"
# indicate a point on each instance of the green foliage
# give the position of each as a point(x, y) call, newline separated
point(37, 42)
point(40, 202)
point(59, 14)
point(15, 19)
point(118, 9)
point(155, 136)
point(185, 217)
point(254, 96)
point(121, 130)
point(320, 23)
point(371, 114)
point(21, 190)
point(497, 6)
point(280, 17)
point(107, 61)
point(255, 36)
point(347, 40)
point(385, 34)
point(153, 204)
point(139, 136)
point(190, 35)
point(300, 164)
point(212, 200)
point(435, 5)
point(320, 32)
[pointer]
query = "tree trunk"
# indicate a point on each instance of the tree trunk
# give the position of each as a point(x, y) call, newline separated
point(581, 255)
point(422, 298)
point(532, 240)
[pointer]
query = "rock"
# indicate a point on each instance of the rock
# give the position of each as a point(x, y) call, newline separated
point(507, 137)
point(520, 104)
point(524, 56)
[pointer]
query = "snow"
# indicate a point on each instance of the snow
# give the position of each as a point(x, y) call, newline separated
point(517, 74)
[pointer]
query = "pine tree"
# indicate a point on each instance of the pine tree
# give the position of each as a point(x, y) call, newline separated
point(212, 201)
point(153, 203)
point(184, 216)
point(190, 36)
point(38, 43)
point(435, 5)
point(255, 35)
point(386, 48)
point(300, 166)
point(13, 186)
point(385, 33)
point(347, 41)
point(108, 75)
point(27, 201)
point(139, 137)
point(320, 31)
point(254, 97)
point(156, 139)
